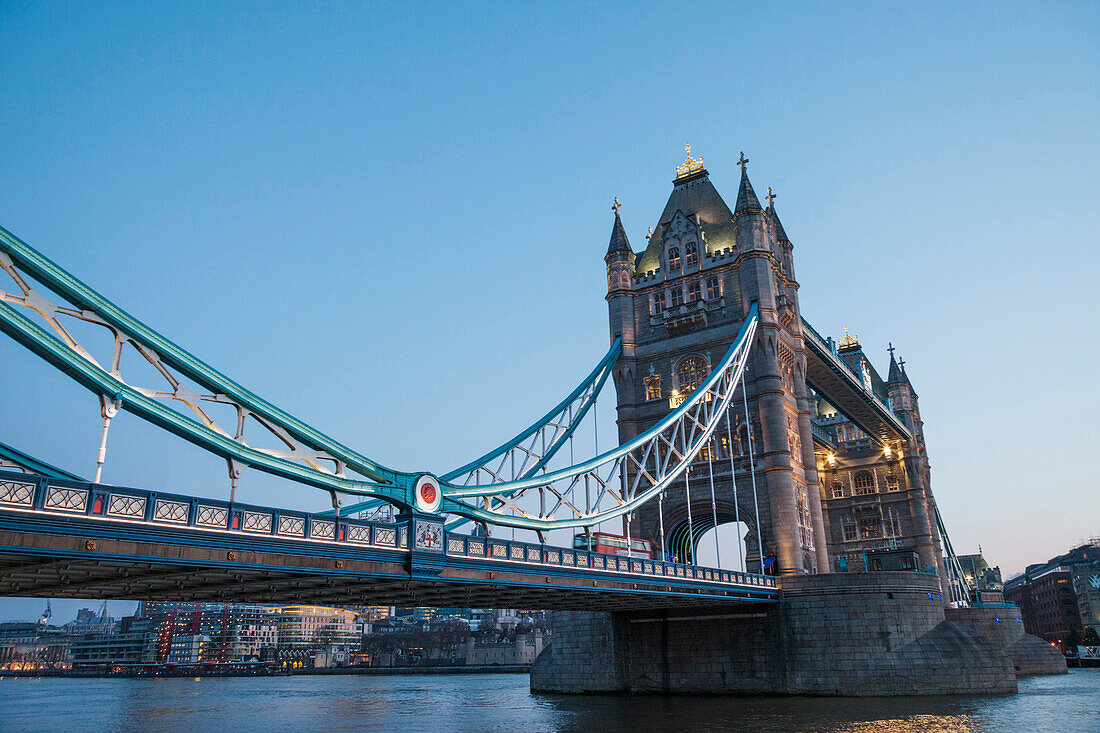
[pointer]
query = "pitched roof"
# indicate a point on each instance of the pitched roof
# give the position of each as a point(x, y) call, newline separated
point(619, 242)
point(896, 374)
point(780, 233)
point(692, 196)
point(746, 197)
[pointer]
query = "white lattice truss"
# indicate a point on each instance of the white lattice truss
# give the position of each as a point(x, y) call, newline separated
point(618, 481)
point(192, 402)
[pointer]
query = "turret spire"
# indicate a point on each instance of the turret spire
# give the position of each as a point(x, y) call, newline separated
point(780, 233)
point(746, 196)
point(895, 375)
point(619, 243)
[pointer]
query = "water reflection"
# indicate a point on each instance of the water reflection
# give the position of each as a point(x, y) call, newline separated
point(503, 702)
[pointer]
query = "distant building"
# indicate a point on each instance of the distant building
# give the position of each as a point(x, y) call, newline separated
point(26, 645)
point(985, 581)
point(318, 627)
point(1060, 599)
point(522, 650)
point(226, 632)
point(132, 641)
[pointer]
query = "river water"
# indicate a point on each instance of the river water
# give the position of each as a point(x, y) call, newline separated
point(503, 702)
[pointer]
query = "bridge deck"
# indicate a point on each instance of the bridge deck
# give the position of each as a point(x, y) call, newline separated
point(72, 539)
point(827, 373)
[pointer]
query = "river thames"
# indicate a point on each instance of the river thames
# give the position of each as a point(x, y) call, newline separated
point(503, 702)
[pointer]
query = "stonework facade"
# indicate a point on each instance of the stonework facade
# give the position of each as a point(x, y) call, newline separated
point(828, 497)
point(678, 306)
point(831, 634)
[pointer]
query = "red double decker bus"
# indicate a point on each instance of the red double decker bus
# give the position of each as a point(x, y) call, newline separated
point(613, 544)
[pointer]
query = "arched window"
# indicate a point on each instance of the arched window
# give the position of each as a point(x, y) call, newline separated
point(674, 258)
point(693, 292)
point(690, 373)
point(692, 254)
point(864, 483)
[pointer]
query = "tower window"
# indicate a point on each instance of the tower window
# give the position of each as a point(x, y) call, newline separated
point(674, 258)
point(653, 387)
point(838, 490)
point(864, 483)
point(692, 254)
point(691, 372)
point(693, 292)
point(848, 526)
point(870, 527)
point(658, 303)
point(677, 297)
point(713, 289)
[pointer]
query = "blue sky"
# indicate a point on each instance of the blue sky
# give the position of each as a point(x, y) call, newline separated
point(389, 219)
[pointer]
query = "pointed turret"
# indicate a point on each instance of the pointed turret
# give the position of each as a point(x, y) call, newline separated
point(896, 376)
point(746, 196)
point(777, 226)
point(619, 257)
point(619, 243)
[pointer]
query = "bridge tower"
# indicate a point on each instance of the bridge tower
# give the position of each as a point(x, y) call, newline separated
point(677, 306)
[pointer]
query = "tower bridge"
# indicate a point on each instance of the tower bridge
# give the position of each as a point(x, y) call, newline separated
point(731, 410)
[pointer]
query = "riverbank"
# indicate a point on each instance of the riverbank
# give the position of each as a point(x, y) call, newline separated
point(258, 671)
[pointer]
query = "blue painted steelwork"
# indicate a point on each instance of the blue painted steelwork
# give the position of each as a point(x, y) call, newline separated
point(727, 373)
point(51, 505)
point(34, 465)
point(592, 385)
point(393, 485)
point(307, 447)
point(824, 350)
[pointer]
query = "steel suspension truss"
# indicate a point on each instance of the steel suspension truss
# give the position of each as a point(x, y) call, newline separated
point(959, 589)
point(531, 451)
point(616, 482)
point(510, 486)
point(185, 401)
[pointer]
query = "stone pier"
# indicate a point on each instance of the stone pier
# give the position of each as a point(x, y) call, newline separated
point(1002, 625)
point(883, 633)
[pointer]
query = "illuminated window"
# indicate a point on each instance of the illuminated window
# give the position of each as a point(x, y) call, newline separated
point(690, 373)
point(693, 292)
point(892, 483)
point(870, 527)
point(677, 297)
point(838, 490)
point(658, 303)
point(713, 289)
point(724, 447)
point(864, 483)
point(653, 387)
point(674, 258)
point(692, 254)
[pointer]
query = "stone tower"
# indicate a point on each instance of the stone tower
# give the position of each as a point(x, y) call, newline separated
point(678, 306)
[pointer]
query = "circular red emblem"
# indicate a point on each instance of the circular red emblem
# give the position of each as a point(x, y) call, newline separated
point(427, 493)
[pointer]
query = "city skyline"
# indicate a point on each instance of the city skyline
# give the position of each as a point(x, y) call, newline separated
point(422, 290)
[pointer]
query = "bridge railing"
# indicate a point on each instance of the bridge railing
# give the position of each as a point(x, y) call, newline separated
point(41, 494)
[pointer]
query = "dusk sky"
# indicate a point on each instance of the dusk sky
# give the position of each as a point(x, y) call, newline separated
point(390, 219)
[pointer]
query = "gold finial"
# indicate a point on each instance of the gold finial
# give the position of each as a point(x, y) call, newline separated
point(848, 340)
point(616, 207)
point(771, 197)
point(742, 162)
point(649, 233)
point(691, 165)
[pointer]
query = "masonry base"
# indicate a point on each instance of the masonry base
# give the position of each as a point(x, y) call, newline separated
point(848, 634)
